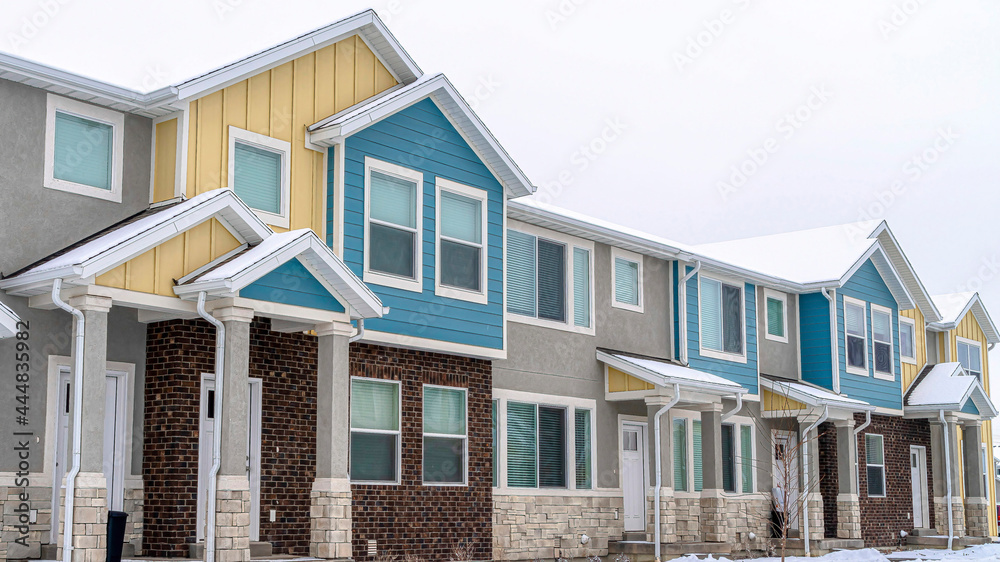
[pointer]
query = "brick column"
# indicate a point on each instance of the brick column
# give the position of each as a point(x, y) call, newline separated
point(848, 504)
point(713, 502)
point(938, 432)
point(330, 515)
point(977, 523)
point(232, 500)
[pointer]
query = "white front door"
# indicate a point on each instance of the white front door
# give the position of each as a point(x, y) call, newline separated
point(634, 475)
point(62, 450)
point(918, 483)
point(785, 471)
point(206, 444)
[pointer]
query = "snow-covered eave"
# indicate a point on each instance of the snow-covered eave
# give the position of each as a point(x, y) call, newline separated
point(982, 315)
point(920, 293)
point(890, 275)
point(793, 392)
point(658, 379)
point(8, 321)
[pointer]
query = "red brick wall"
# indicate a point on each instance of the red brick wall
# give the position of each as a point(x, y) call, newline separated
point(428, 521)
point(883, 518)
point(829, 483)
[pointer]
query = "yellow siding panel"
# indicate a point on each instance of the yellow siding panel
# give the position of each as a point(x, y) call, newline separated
point(210, 140)
point(344, 78)
point(114, 278)
point(325, 72)
point(620, 381)
point(165, 165)
point(911, 371)
point(141, 273)
point(259, 104)
point(383, 78)
point(364, 73)
point(779, 403)
point(281, 101)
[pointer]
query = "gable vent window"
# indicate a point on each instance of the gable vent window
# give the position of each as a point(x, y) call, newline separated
point(882, 340)
point(857, 349)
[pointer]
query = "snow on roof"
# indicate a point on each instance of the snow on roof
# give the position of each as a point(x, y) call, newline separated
point(955, 306)
point(816, 255)
point(812, 395)
point(664, 372)
point(947, 386)
point(952, 305)
point(8, 321)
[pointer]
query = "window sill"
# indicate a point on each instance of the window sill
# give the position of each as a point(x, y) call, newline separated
point(412, 285)
point(446, 484)
point(552, 324)
point(113, 195)
point(373, 483)
point(857, 371)
point(779, 339)
point(908, 360)
point(629, 307)
point(722, 355)
point(271, 219)
point(602, 492)
point(885, 376)
point(461, 294)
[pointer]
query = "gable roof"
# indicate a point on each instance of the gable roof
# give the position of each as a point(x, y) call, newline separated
point(946, 386)
point(955, 306)
point(811, 395)
point(664, 373)
point(232, 274)
point(8, 321)
point(333, 129)
point(366, 24)
point(907, 273)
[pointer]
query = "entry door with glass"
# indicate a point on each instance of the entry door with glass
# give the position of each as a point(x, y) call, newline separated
point(634, 475)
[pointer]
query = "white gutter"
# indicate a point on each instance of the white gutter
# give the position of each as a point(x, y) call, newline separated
point(220, 361)
point(739, 406)
point(834, 330)
point(857, 431)
point(659, 475)
point(805, 473)
point(947, 476)
point(77, 417)
point(682, 308)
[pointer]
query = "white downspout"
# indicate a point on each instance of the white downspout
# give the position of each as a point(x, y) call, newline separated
point(220, 362)
point(682, 308)
point(805, 473)
point(77, 417)
point(659, 474)
point(360, 333)
point(739, 406)
point(947, 475)
point(857, 431)
point(834, 344)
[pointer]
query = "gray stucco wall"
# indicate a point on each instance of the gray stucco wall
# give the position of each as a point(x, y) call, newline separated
point(776, 358)
point(51, 333)
point(30, 212)
point(562, 363)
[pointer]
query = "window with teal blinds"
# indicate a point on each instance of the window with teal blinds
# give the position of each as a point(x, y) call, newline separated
point(374, 430)
point(551, 447)
point(83, 151)
point(257, 178)
point(746, 458)
point(522, 445)
point(680, 454)
point(537, 446)
point(626, 282)
point(551, 280)
point(583, 452)
point(728, 459)
point(581, 287)
point(444, 435)
point(520, 273)
point(699, 476)
point(775, 317)
point(496, 443)
point(461, 243)
point(392, 230)
point(537, 271)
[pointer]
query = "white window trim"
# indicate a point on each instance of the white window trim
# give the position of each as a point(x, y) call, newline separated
point(465, 438)
point(736, 422)
point(971, 343)
point(910, 359)
point(415, 285)
point(688, 418)
point(882, 440)
point(890, 376)
point(115, 119)
point(284, 149)
point(502, 396)
point(860, 371)
point(481, 296)
point(570, 242)
point(711, 353)
point(398, 433)
point(636, 259)
point(783, 298)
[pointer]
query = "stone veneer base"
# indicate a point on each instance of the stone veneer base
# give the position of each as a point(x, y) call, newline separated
point(545, 527)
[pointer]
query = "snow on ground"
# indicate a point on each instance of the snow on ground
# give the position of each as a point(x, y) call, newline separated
point(982, 553)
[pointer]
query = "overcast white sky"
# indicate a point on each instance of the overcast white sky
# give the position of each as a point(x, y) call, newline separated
point(847, 100)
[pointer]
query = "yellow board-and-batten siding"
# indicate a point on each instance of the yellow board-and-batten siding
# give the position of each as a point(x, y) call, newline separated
point(620, 381)
point(909, 370)
point(773, 402)
point(165, 160)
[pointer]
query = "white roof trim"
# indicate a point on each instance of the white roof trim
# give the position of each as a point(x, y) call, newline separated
point(949, 381)
point(813, 396)
point(665, 374)
point(904, 300)
point(8, 321)
point(234, 274)
point(975, 304)
point(907, 272)
point(335, 128)
point(105, 252)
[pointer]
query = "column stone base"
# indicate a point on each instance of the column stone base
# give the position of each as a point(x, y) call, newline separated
point(848, 516)
point(941, 516)
point(668, 516)
point(814, 509)
point(330, 519)
point(90, 518)
point(714, 524)
point(232, 519)
point(977, 522)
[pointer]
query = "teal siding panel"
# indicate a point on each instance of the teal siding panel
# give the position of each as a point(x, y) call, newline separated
point(421, 138)
point(970, 408)
point(292, 283)
point(814, 338)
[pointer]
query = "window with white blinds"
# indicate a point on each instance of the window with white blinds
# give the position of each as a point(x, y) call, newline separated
point(856, 331)
point(907, 339)
point(875, 461)
point(970, 355)
point(461, 241)
point(445, 435)
point(721, 317)
point(375, 433)
point(548, 280)
point(581, 287)
point(882, 340)
point(626, 280)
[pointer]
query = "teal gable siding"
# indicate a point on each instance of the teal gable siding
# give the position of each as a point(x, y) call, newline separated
point(292, 283)
point(814, 338)
point(867, 285)
point(970, 408)
point(742, 373)
point(421, 138)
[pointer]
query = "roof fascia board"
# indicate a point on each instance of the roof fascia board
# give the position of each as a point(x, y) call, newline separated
point(809, 399)
point(978, 309)
point(933, 314)
point(904, 300)
point(8, 321)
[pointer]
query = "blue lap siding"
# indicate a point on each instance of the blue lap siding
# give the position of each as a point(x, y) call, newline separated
point(292, 283)
point(814, 338)
point(421, 138)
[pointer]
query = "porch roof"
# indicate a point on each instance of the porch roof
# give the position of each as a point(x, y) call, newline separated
point(946, 386)
point(665, 373)
point(8, 321)
point(813, 395)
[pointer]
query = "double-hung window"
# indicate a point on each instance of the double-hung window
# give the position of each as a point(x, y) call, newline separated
point(375, 447)
point(721, 319)
point(875, 461)
point(882, 353)
point(84, 149)
point(970, 355)
point(856, 331)
point(549, 280)
point(907, 340)
point(445, 435)
point(259, 174)
point(777, 323)
point(393, 255)
point(626, 280)
point(461, 237)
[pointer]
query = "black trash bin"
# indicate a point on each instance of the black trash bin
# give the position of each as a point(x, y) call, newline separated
point(116, 535)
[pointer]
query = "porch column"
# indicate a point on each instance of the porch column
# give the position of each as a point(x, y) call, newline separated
point(813, 506)
point(232, 500)
point(667, 507)
point(90, 492)
point(938, 432)
point(713, 502)
point(330, 516)
point(976, 505)
point(848, 505)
